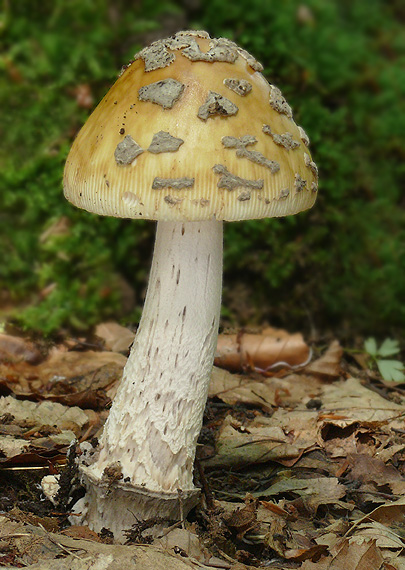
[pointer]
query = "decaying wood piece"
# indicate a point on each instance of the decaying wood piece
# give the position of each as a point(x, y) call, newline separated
point(273, 348)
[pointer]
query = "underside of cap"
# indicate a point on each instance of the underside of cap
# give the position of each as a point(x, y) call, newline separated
point(192, 130)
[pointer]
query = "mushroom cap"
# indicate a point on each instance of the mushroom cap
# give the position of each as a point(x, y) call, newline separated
point(191, 130)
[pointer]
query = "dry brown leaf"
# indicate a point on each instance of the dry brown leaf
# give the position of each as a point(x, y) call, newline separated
point(243, 519)
point(266, 439)
point(276, 536)
point(331, 535)
point(11, 446)
point(233, 388)
point(72, 378)
point(76, 531)
point(16, 349)
point(62, 364)
point(310, 552)
point(314, 491)
point(43, 413)
point(264, 392)
point(368, 469)
point(388, 513)
point(355, 403)
point(383, 536)
point(350, 557)
point(273, 348)
point(47, 433)
point(390, 451)
point(394, 563)
point(116, 337)
point(50, 524)
point(328, 365)
point(287, 532)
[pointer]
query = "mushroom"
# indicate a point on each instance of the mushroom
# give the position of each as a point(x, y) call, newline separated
point(190, 135)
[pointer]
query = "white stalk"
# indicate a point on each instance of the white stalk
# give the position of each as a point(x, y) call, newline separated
point(153, 426)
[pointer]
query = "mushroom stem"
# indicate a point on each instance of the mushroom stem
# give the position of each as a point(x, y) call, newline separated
point(152, 429)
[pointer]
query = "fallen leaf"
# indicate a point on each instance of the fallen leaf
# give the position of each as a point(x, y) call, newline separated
point(16, 349)
point(116, 337)
point(328, 365)
point(50, 524)
point(76, 531)
point(388, 513)
point(263, 392)
point(357, 403)
point(264, 440)
point(244, 519)
point(31, 447)
point(71, 377)
point(43, 413)
point(351, 556)
point(368, 469)
point(314, 491)
point(310, 552)
point(380, 534)
point(11, 446)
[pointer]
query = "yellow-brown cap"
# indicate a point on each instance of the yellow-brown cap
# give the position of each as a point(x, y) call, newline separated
point(191, 130)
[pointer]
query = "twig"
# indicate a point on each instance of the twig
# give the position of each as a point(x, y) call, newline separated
point(209, 498)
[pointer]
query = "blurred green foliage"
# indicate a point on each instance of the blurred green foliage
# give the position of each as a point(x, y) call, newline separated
point(340, 65)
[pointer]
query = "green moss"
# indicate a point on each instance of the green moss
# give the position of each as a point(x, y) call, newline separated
point(339, 64)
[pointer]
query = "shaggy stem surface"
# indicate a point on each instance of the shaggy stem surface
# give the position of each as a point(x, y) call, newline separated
point(153, 426)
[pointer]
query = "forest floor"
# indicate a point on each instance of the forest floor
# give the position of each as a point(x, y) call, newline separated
point(301, 459)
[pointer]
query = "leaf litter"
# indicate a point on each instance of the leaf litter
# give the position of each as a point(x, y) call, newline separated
point(301, 462)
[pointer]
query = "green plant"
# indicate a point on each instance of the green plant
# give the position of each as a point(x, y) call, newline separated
point(390, 370)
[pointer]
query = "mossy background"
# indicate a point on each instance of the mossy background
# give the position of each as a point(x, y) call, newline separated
point(339, 267)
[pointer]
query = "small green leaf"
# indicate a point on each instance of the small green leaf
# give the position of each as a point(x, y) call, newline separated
point(370, 346)
point(391, 370)
point(388, 347)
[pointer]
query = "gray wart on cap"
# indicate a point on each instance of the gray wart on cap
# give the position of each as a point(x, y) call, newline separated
point(278, 102)
point(311, 164)
point(239, 86)
point(184, 39)
point(245, 196)
point(250, 60)
point(156, 56)
point(164, 142)
point(164, 93)
point(304, 136)
point(174, 183)
point(216, 104)
point(253, 155)
point(299, 183)
point(286, 139)
point(219, 51)
point(231, 181)
point(234, 142)
point(172, 200)
point(127, 150)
